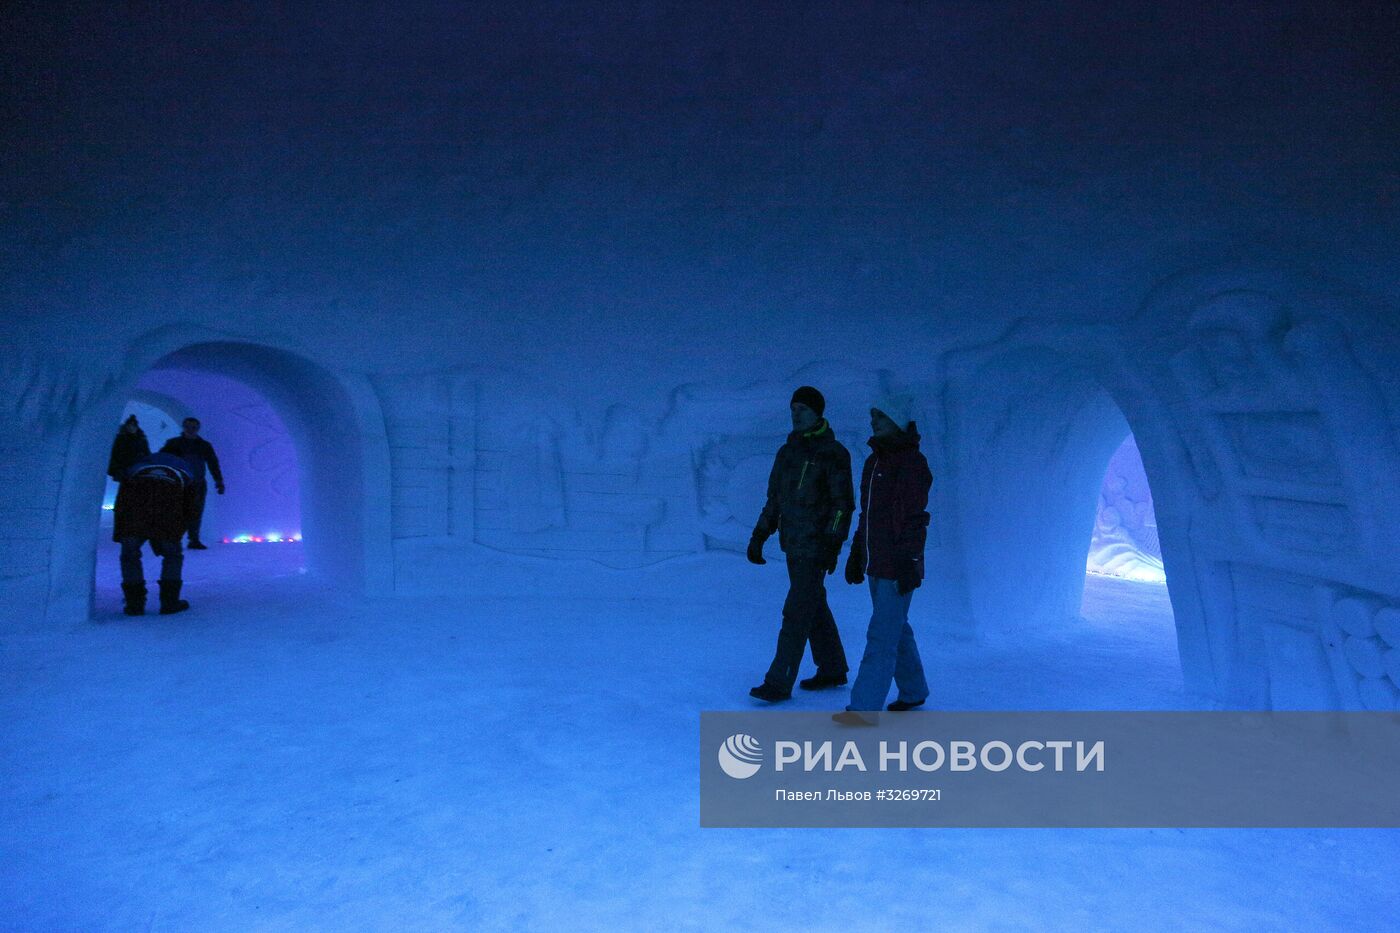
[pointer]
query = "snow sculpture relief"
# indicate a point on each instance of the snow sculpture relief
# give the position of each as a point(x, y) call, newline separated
point(481, 459)
point(735, 432)
point(1125, 542)
point(1295, 448)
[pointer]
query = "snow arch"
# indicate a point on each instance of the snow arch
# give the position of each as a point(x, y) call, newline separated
point(1266, 407)
point(343, 455)
point(1028, 439)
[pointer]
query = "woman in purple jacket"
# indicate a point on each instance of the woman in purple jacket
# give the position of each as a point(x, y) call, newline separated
point(888, 547)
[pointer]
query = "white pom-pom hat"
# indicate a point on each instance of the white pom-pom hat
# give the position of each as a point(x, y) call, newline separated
point(897, 408)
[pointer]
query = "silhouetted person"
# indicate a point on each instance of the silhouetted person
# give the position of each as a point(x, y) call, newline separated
point(128, 446)
point(200, 453)
point(153, 505)
point(888, 547)
point(810, 501)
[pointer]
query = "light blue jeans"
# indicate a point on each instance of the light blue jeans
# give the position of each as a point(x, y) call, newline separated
point(890, 652)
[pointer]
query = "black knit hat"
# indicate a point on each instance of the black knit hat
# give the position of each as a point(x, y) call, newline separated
point(811, 398)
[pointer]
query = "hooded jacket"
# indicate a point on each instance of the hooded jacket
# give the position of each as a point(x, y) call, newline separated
point(810, 495)
point(127, 448)
point(894, 487)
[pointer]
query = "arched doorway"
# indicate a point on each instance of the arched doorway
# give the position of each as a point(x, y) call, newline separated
point(341, 452)
point(1030, 438)
point(1027, 436)
point(258, 463)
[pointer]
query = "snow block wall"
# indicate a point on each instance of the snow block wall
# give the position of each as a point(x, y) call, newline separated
point(483, 462)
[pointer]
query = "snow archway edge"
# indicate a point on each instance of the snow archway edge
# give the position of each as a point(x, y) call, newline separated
point(342, 448)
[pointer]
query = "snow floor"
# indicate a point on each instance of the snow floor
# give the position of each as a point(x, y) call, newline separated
point(284, 757)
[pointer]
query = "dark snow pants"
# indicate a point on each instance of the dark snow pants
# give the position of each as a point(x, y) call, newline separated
point(172, 559)
point(198, 493)
point(806, 616)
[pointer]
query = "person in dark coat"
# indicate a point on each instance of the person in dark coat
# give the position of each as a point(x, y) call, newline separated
point(200, 453)
point(153, 505)
point(810, 500)
point(888, 548)
point(128, 446)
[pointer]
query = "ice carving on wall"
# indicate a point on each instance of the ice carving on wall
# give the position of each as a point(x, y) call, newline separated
point(1125, 542)
point(731, 485)
point(273, 456)
point(483, 457)
point(1284, 401)
point(735, 432)
point(1267, 422)
point(1363, 633)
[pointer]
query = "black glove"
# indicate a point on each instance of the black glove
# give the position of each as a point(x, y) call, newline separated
point(833, 555)
point(219, 489)
point(755, 553)
point(909, 578)
point(855, 569)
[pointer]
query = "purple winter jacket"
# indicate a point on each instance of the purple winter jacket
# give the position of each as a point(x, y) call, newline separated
point(894, 489)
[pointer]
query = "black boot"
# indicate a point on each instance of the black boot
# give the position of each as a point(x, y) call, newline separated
point(197, 545)
point(135, 594)
point(170, 601)
point(899, 706)
point(766, 691)
point(821, 681)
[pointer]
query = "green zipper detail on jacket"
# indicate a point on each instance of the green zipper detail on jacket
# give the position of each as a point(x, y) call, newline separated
point(836, 522)
point(803, 477)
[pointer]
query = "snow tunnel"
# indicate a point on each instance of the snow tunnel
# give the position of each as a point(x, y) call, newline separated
point(256, 454)
point(1033, 439)
point(299, 445)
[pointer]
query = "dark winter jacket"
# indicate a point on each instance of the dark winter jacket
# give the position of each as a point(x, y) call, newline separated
point(126, 450)
point(153, 502)
point(198, 452)
point(810, 496)
point(893, 523)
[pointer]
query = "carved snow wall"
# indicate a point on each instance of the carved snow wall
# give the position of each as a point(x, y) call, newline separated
point(1265, 407)
point(481, 461)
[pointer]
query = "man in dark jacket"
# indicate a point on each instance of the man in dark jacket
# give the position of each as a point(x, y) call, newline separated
point(153, 505)
point(129, 446)
point(200, 453)
point(810, 500)
point(888, 547)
